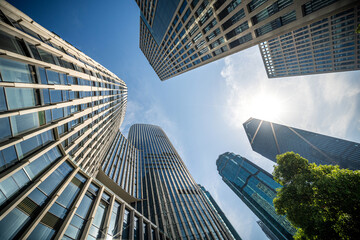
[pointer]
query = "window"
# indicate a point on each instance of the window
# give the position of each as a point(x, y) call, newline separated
point(12, 71)
point(21, 97)
point(23, 123)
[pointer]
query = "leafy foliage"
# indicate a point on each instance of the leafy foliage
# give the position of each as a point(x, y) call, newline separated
point(323, 201)
point(358, 29)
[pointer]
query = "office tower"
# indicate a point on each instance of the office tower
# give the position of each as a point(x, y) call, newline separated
point(257, 189)
point(121, 165)
point(219, 212)
point(171, 197)
point(267, 231)
point(270, 139)
point(59, 113)
point(179, 35)
point(327, 45)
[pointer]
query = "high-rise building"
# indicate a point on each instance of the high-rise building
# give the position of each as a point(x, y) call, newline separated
point(327, 45)
point(170, 196)
point(270, 139)
point(257, 189)
point(179, 35)
point(59, 114)
point(220, 213)
point(267, 231)
point(121, 165)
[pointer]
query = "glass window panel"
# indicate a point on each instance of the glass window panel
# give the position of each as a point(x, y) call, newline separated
point(20, 97)
point(12, 71)
point(99, 215)
point(38, 197)
point(9, 187)
point(58, 210)
point(30, 145)
point(55, 96)
point(4, 128)
point(9, 43)
point(77, 221)
point(84, 206)
point(57, 113)
point(41, 232)
point(35, 167)
point(2, 100)
point(51, 183)
point(46, 96)
point(20, 178)
point(22, 123)
point(68, 195)
point(7, 157)
point(12, 223)
point(53, 77)
point(42, 73)
point(45, 56)
point(72, 232)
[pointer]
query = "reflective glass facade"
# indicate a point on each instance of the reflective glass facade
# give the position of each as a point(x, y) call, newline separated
point(121, 165)
point(270, 139)
point(195, 32)
point(60, 112)
point(170, 196)
point(257, 189)
point(220, 213)
point(326, 45)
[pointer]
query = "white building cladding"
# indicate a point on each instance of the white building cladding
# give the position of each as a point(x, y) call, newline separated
point(171, 197)
point(322, 46)
point(196, 32)
point(59, 114)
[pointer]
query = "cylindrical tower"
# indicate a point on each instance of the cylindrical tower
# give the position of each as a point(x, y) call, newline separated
point(171, 197)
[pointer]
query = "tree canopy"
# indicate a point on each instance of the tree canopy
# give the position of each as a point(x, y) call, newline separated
point(322, 202)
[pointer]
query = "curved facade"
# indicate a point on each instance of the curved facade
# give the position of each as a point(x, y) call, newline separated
point(171, 197)
point(59, 114)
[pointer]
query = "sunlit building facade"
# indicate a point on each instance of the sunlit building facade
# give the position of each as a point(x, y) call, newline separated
point(179, 35)
point(121, 165)
point(257, 189)
point(170, 196)
point(323, 46)
point(220, 213)
point(270, 139)
point(60, 112)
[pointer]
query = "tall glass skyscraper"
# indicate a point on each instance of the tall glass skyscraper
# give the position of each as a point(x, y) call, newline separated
point(170, 196)
point(257, 189)
point(220, 213)
point(327, 45)
point(59, 113)
point(179, 35)
point(270, 139)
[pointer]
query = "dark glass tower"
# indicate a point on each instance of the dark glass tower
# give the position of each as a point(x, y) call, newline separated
point(257, 189)
point(220, 213)
point(270, 139)
point(171, 197)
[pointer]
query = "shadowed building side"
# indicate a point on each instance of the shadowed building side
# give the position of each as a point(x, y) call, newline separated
point(270, 139)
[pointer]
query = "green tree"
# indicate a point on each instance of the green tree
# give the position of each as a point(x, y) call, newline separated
point(322, 202)
point(358, 29)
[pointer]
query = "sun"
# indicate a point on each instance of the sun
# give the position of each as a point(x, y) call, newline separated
point(267, 106)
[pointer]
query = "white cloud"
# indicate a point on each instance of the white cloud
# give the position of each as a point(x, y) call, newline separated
point(324, 103)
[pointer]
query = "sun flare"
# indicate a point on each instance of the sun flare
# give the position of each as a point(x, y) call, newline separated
point(267, 107)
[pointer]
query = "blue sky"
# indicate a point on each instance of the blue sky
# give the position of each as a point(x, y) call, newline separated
point(202, 111)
